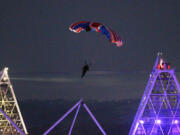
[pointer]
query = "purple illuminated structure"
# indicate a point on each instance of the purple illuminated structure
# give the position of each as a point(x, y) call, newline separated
point(77, 105)
point(159, 110)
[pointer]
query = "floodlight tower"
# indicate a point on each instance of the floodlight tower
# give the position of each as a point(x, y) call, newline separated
point(159, 110)
point(11, 121)
point(77, 105)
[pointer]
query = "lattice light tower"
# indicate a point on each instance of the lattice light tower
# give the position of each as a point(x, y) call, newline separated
point(159, 110)
point(78, 106)
point(11, 121)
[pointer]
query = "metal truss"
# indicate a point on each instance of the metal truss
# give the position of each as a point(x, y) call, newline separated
point(159, 110)
point(77, 105)
point(11, 121)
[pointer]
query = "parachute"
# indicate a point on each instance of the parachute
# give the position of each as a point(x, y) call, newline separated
point(87, 26)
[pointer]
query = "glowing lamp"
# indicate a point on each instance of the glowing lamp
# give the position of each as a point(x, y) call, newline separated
point(175, 122)
point(158, 121)
point(141, 121)
point(4, 79)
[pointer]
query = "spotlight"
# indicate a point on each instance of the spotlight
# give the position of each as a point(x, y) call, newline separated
point(158, 121)
point(141, 121)
point(4, 79)
point(175, 122)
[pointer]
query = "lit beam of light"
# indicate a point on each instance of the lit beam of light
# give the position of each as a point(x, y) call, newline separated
point(40, 79)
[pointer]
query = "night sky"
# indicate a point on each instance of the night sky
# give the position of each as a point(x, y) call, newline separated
point(45, 58)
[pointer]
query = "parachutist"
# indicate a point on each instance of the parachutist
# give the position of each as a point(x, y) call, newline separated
point(85, 69)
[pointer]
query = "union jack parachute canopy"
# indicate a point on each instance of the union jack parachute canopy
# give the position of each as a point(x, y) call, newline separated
point(87, 26)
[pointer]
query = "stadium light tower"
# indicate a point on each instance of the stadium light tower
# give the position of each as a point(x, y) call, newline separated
point(77, 105)
point(159, 110)
point(11, 121)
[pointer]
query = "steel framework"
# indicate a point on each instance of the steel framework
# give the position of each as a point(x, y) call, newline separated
point(159, 110)
point(77, 105)
point(11, 121)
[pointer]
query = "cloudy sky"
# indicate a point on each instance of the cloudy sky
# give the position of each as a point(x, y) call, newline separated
point(45, 58)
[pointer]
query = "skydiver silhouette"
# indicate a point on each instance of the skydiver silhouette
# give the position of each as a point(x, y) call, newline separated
point(85, 69)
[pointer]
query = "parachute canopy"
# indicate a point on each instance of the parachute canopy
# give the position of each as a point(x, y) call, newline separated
point(77, 27)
